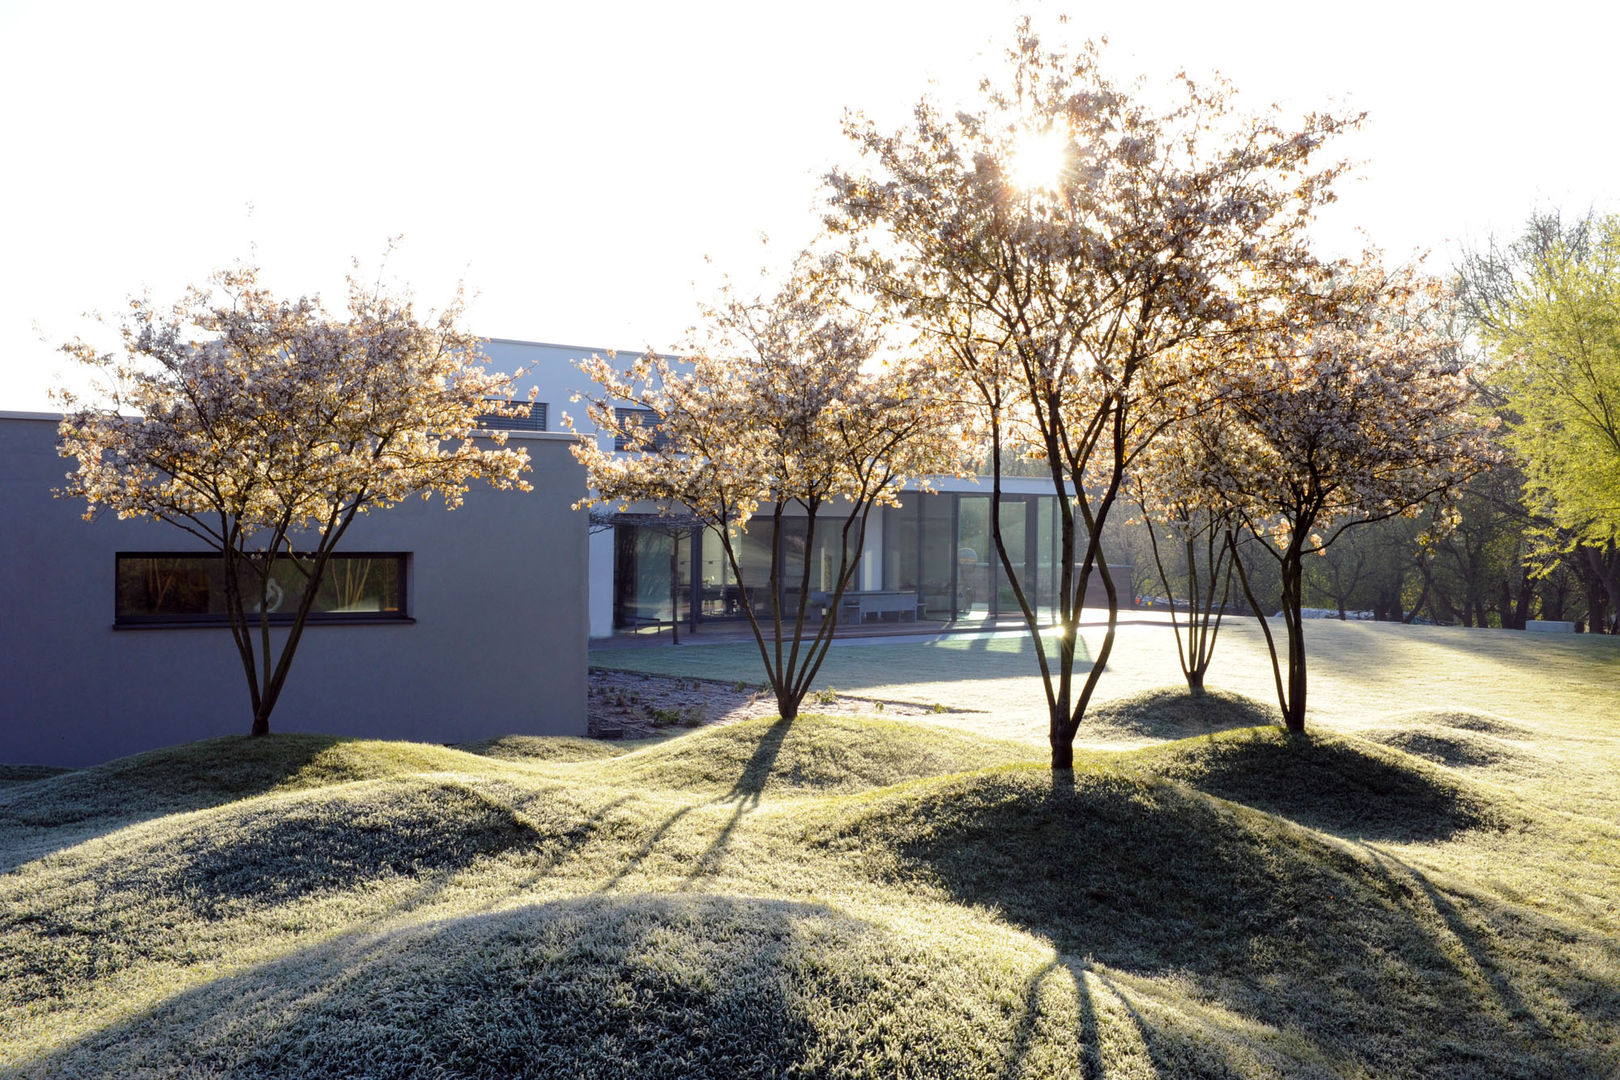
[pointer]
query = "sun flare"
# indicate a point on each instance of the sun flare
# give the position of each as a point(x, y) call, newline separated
point(1038, 158)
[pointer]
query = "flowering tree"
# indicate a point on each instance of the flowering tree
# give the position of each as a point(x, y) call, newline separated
point(781, 405)
point(263, 427)
point(1063, 243)
point(1361, 417)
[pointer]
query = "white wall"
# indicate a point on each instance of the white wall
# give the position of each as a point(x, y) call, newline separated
point(497, 592)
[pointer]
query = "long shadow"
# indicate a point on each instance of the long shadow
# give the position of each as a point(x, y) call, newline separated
point(1334, 785)
point(745, 794)
point(1471, 941)
point(1275, 924)
point(694, 987)
point(1023, 1038)
point(120, 913)
point(1145, 1033)
point(634, 861)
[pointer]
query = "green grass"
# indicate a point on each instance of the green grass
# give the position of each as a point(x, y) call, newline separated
point(1431, 890)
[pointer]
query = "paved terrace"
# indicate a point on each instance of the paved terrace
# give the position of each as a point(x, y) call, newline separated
point(1361, 673)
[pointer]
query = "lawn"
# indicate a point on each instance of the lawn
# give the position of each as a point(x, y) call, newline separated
point(1427, 885)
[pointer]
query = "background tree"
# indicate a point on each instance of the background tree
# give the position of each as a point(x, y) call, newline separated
point(263, 427)
point(1373, 569)
point(1479, 572)
point(1169, 485)
point(782, 404)
point(1061, 243)
point(1556, 335)
point(1358, 419)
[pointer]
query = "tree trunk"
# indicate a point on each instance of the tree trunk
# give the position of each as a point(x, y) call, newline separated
point(1293, 708)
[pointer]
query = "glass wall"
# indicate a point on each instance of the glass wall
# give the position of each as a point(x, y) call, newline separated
point(900, 545)
point(938, 545)
point(1046, 547)
point(642, 576)
point(974, 557)
point(1016, 531)
point(717, 596)
point(938, 555)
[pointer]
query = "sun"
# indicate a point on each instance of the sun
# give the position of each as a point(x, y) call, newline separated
point(1037, 159)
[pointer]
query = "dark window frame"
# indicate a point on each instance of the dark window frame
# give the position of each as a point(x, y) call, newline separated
point(123, 621)
point(650, 422)
point(534, 420)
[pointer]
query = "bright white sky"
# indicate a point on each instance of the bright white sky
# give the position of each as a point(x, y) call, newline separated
point(575, 163)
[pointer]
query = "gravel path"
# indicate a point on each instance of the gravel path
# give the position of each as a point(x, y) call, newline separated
point(634, 705)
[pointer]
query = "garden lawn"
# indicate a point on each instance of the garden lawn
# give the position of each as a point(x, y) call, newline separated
point(1424, 886)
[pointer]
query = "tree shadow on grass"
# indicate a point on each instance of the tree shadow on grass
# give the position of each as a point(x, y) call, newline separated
point(1348, 787)
point(326, 842)
point(1271, 922)
point(92, 918)
point(744, 795)
point(690, 986)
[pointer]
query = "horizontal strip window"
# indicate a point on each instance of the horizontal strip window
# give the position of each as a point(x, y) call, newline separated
point(186, 588)
point(530, 417)
point(646, 420)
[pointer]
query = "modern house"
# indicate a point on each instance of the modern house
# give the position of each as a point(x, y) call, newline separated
point(935, 547)
point(442, 626)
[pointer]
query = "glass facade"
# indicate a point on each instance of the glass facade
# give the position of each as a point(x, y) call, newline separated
point(938, 546)
point(155, 588)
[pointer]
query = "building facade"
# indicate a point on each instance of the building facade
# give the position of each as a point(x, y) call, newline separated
point(646, 572)
point(443, 626)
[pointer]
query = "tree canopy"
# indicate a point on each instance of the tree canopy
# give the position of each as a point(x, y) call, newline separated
point(1362, 416)
point(785, 401)
point(1558, 345)
point(264, 426)
point(1087, 307)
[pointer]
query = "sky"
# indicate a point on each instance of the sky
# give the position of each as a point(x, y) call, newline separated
point(589, 171)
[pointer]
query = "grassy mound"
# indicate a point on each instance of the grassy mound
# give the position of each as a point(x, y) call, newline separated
point(1174, 713)
point(88, 802)
point(1460, 720)
point(544, 748)
point(812, 754)
point(1347, 786)
point(1333, 944)
point(832, 897)
point(276, 850)
point(1449, 747)
point(27, 774)
point(689, 986)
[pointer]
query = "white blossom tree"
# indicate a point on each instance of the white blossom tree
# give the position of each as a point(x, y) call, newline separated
point(263, 427)
point(1362, 416)
point(783, 403)
point(1062, 244)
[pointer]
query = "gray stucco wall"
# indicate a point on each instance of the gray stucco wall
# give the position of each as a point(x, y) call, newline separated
point(497, 588)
